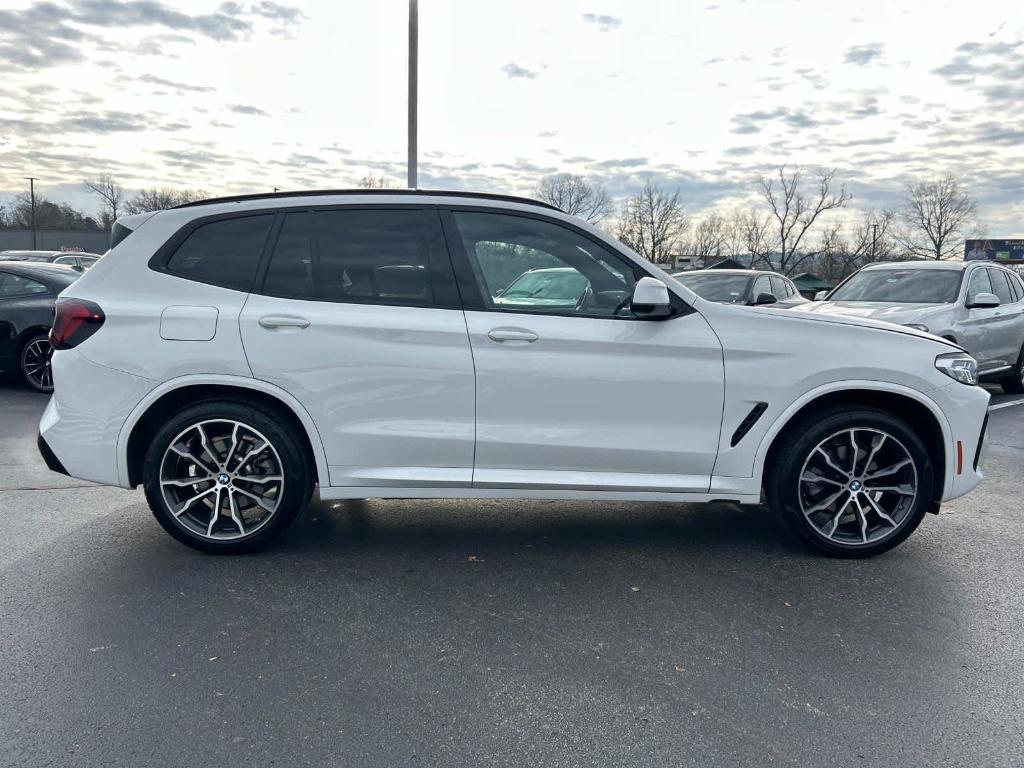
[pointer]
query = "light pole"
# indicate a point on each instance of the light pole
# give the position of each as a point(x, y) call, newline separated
point(32, 197)
point(413, 65)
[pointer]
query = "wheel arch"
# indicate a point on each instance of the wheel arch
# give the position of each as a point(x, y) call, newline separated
point(145, 419)
point(922, 414)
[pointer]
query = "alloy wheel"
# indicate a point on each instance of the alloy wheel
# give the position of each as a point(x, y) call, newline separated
point(858, 486)
point(35, 362)
point(221, 479)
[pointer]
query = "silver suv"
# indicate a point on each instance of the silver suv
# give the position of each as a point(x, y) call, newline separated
point(979, 306)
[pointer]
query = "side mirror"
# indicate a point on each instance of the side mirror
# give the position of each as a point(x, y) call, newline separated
point(650, 299)
point(764, 298)
point(984, 300)
point(820, 295)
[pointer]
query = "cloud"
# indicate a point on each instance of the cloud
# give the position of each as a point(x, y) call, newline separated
point(863, 55)
point(603, 21)
point(753, 122)
point(154, 80)
point(246, 109)
point(514, 71)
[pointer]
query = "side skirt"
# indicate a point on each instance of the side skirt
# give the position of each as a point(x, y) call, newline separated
point(367, 492)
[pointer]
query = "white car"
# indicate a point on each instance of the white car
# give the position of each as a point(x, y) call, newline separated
point(233, 354)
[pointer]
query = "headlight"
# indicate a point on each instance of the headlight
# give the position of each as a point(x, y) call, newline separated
point(959, 366)
point(918, 326)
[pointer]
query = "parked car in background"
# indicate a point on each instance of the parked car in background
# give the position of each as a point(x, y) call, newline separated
point(27, 294)
point(78, 260)
point(742, 286)
point(977, 305)
point(232, 354)
point(563, 288)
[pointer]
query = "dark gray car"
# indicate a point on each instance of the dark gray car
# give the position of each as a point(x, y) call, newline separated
point(978, 305)
point(742, 286)
point(27, 294)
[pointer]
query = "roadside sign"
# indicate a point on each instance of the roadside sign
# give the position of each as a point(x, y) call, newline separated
point(994, 250)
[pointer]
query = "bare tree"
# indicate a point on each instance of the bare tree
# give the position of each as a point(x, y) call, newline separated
point(111, 195)
point(794, 214)
point(871, 240)
point(938, 215)
point(576, 196)
point(709, 242)
point(754, 233)
point(652, 222)
point(162, 198)
point(369, 181)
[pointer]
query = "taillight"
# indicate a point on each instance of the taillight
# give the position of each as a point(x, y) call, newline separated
point(74, 321)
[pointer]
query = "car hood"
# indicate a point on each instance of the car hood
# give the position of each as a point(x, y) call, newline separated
point(887, 311)
point(816, 313)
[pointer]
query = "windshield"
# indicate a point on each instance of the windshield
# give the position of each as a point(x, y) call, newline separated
point(567, 285)
point(723, 288)
point(901, 286)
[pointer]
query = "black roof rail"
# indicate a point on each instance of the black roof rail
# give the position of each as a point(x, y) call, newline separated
point(327, 192)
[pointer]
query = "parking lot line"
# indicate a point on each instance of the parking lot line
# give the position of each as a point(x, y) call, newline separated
point(1005, 405)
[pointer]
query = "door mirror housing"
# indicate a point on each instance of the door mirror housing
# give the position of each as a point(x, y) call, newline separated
point(820, 295)
point(984, 300)
point(764, 298)
point(650, 299)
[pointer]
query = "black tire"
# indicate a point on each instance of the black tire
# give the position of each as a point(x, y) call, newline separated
point(288, 451)
point(1013, 384)
point(40, 381)
point(783, 487)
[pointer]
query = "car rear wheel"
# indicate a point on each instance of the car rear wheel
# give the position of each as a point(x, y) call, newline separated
point(35, 363)
point(226, 477)
point(1014, 383)
point(851, 483)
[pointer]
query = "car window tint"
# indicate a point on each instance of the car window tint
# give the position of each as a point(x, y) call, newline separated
point(373, 256)
point(979, 283)
point(224, 252)
point(1001, 286)
point(527, 265)
point(16, 285)
point(290, 272)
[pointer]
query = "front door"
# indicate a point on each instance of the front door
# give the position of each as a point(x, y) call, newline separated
point(356, 314)
point(573, 391)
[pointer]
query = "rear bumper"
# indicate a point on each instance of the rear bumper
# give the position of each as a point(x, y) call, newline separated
point(52, 462)
point(78, 430)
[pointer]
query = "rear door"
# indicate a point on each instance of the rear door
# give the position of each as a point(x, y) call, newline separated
point(356, 314)
point(1008, 328)
point(573, 391)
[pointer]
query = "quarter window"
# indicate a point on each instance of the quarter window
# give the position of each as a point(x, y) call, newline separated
point(224, 252)
point(522, 264)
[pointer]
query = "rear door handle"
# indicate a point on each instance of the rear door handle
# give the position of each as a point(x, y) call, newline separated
point(283, 321)
point(512, 334)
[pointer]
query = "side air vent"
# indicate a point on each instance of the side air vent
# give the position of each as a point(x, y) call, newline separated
point(748, 421)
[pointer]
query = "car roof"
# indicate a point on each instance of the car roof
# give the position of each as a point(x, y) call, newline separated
point(920, 264)
point(746, 272)
point(38, 269)
point(383, 193)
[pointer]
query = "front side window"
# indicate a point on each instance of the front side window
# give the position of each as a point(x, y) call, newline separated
point(224, 252)
point(901, 286)
point(979, 283)
point(521, 264)
point(779, 288)
point(761, 285)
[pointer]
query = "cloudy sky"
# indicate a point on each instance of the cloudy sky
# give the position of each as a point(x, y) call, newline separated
point(704, 96)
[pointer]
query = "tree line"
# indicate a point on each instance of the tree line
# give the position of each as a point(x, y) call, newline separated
point(785, 231)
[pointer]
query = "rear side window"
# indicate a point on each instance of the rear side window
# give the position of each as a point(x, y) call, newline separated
point(1001, 286)
point(223, 253)
point(1016, 287)
point(371, 256)
point(362, 256)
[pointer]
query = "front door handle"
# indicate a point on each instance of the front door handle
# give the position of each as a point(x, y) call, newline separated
point(512, 334)
point(283, 321)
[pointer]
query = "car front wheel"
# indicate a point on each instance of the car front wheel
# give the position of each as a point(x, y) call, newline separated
point(226, 477)
point(852, 483)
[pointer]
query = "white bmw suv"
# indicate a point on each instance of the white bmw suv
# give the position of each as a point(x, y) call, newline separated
point(234, 354)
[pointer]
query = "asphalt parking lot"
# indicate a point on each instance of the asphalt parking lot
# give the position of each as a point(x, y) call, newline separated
point(394, 633)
